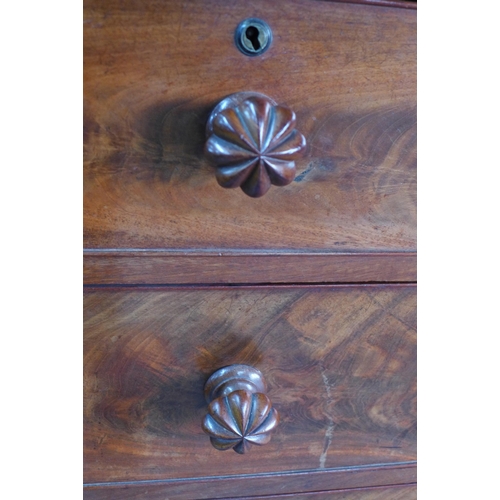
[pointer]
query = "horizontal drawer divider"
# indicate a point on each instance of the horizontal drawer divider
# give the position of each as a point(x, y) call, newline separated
point(254, 286)
point(141, 267)
point(261, 484)
point(398, 4)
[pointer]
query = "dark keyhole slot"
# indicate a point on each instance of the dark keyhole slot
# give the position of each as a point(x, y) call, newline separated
point(252, 33)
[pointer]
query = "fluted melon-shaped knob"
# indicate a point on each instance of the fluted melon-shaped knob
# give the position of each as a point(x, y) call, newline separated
point(253, 143)
point(238, 415)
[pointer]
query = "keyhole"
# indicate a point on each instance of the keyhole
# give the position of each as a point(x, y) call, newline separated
point(253, 36)
point(252, 33)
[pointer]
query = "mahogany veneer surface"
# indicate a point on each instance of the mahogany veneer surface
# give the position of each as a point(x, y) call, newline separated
point(339, 362)
point(155, 69)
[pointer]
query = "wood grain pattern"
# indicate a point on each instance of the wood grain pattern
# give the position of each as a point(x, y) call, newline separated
point(406, 492)
point(155, 69)
point(161, 268)
point(349, 481)
point(339, 364)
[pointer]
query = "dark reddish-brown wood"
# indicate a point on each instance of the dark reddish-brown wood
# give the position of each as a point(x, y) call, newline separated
point(253, 143)
point(404, 492)
point(339, 360)
point(339, 363)
point(164, 267)
point(154, 70)
point(263, 484)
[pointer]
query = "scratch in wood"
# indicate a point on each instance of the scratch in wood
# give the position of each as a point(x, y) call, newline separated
point(301, 176)
point(180, 23)
point(331, 425)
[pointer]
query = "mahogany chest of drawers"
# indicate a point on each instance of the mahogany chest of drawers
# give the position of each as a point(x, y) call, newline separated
point(306, 274)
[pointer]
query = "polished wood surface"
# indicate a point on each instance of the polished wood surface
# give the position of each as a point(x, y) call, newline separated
point(339, 363)
point(340, 360)
point(348, 480)
point(155, 69)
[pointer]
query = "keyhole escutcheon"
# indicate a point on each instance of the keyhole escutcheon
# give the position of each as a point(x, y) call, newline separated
point(253, 36)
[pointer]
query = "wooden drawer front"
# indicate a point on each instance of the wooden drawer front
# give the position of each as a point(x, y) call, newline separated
point(339, 362)
point(155, 69)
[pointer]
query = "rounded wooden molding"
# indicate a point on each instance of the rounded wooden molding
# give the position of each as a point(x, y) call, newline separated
point(239, 412)
point(253, 143)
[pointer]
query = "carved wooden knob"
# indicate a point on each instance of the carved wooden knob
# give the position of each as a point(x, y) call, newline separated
point(253, 143)
point(239, 412)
